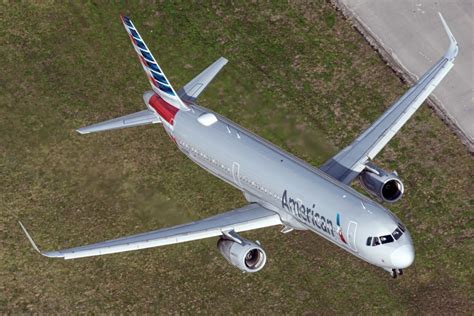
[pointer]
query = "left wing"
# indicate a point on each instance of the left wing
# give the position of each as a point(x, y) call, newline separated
point(348, 163)
point(249, 217)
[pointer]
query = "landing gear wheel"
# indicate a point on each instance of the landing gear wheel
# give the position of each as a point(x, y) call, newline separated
point(394, 273)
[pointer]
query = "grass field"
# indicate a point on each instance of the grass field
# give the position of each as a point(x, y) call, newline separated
point(299, 75)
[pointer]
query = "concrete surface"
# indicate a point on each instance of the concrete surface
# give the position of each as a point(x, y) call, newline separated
point(410, 36)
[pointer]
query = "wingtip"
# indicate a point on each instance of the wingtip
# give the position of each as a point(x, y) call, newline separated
point(453, 44)
point(49, 254)
point(224, 60)
point(33, 244)
point(81, 131)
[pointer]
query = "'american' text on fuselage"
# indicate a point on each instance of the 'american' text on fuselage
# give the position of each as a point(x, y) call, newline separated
point(308, 215)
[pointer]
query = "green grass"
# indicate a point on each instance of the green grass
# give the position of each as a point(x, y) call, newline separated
point(298, 75)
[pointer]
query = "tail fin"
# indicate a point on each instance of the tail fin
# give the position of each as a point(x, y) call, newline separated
point(156, 76)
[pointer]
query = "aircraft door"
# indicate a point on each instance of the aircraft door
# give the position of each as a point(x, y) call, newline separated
point(236, 173)
point(351, 235)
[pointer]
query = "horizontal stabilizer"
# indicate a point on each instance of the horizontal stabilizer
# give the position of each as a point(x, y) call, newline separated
point(193, 89)
point(135, 119)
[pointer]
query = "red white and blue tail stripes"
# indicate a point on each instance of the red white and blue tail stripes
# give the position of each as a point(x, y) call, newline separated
point(156, 76)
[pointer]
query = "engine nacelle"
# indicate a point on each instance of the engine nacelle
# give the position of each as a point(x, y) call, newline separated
point(386, 186)
point(247, 256)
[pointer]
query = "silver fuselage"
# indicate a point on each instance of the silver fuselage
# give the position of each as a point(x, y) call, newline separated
point(305, 197)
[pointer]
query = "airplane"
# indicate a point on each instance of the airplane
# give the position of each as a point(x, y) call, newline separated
point(281, 189)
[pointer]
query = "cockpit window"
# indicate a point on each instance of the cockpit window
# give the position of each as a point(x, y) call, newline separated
point(386, 239)
point(375, 241)
point(369, 241)
point(397, 233)
point(402, 228)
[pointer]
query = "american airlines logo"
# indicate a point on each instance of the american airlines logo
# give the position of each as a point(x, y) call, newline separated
point(307, 214)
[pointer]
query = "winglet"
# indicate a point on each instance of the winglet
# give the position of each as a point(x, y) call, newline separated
point(453, 45)
point(82, 131)
point(51, 254)
point(29, 238)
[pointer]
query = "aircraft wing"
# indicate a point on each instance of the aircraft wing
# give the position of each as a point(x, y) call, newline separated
point(348, 163)
point(193, 89)
point(249, 217)
point(135, 119)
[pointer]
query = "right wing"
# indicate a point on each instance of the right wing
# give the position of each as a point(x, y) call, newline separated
point(346, 165)
point(249, 217)
point(135, 119)
point(193, 89)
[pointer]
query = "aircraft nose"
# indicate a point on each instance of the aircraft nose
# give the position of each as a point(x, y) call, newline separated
point(403, 256)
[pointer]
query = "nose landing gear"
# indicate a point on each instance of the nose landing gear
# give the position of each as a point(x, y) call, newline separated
point(396, 272)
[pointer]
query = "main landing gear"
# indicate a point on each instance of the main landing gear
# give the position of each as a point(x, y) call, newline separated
point(396, 272)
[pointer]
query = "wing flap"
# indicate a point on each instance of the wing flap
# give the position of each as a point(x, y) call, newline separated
point(196, 86)
point(250, 217)
point(135, 119)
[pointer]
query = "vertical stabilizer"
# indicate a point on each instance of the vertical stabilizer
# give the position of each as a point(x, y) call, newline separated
point(158, 80)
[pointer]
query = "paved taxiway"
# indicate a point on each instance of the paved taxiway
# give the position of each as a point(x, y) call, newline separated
point(410, 36)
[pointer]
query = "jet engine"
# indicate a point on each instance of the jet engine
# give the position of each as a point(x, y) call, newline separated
point(386, 186)
point(247, 256)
